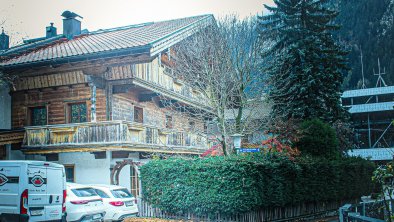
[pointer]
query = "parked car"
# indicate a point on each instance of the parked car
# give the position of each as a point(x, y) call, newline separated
point(83, 204)
point(32, 191)
point(119, 202)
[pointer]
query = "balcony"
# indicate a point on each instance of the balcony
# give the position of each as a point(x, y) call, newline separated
point(158, 78)
point(110, 135)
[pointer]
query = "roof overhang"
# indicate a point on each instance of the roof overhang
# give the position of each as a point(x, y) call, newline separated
point(135, 51)
point(169, 40)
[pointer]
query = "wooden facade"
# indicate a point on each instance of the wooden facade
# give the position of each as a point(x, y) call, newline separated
point(112, 95)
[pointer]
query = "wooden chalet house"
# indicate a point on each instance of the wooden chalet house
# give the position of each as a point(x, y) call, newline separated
point(90, 99)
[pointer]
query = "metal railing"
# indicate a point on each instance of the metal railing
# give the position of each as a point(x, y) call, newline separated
point(372, 211)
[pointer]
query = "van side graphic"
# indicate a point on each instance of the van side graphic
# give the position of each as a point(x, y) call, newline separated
point(4, 179)
point(37, 180)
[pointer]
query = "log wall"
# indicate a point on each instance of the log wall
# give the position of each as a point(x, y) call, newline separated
point(57, 90)
point(123, 109)
point(56, 101)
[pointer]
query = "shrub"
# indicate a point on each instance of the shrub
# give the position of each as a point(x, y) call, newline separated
point(236, 184)
point(317, 139)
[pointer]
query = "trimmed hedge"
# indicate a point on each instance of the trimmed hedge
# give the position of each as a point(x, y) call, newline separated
point(236, 184)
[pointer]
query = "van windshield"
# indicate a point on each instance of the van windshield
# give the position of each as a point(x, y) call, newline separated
point(84, 192)
point(121, 193)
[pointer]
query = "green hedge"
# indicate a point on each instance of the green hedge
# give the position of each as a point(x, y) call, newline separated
point(229, 185)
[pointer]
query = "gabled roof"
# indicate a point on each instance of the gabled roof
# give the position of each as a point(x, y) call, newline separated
point(148, 38)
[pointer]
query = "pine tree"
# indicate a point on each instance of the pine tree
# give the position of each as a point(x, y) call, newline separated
point(305, 62)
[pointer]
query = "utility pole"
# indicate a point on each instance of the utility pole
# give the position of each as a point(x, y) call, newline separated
point(362, 69)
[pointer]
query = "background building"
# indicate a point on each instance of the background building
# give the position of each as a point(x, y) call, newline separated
point(372, 113)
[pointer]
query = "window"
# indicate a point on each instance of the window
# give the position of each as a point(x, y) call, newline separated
point(70, 176)
point(135, 185)
point(84, 192)
point(151, 135)
point(138, 115)
point(101, 193)
point(206, 127)
point(77, 112)
point(38, 116)
point(188, 139)
point(168, 121)
point(192, 125)
point(121, 193)
point(175, 139)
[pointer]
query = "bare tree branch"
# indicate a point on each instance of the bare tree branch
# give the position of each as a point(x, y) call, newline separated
point(221, 63)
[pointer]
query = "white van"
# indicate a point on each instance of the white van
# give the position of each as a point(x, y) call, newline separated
point(32, 191)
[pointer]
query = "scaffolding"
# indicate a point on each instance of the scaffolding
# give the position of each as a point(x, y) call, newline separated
point(372, 112)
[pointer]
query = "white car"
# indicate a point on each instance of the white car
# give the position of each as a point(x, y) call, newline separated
point(32, 191)
point(119, 202)
point(83, 204)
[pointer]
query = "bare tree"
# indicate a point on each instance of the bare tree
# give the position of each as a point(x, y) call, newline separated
point(221, 64)
point(6, 78)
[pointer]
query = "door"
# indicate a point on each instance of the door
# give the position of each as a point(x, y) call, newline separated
point(55, 187)
point(9, 189)
point(37, 186)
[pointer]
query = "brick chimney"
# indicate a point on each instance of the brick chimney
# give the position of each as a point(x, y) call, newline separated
point(51, 31)
point(4, 40)
point(71, 25)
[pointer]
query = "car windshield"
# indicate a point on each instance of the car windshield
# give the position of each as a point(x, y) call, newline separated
point(121, 193)
point(84, 192)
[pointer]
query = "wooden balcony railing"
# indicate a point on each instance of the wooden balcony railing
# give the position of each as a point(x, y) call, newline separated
point(160, 77)
point(168, 82)
point(111, 133)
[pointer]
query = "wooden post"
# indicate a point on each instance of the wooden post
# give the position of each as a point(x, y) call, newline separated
point(108, 97)
point(93, 102)
point(369, 132)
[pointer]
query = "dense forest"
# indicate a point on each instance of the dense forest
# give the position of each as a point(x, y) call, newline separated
point(367, 28)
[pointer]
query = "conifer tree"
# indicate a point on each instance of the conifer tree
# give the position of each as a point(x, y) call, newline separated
point(305, 64)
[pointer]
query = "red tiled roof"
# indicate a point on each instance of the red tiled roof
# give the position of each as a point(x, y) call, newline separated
point(101, 41)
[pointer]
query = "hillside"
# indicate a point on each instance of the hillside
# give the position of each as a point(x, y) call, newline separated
point(367, 24)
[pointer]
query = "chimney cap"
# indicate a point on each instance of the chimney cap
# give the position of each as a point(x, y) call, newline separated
point(70, 15)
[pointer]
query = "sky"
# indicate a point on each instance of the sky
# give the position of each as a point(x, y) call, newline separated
point(25, 19)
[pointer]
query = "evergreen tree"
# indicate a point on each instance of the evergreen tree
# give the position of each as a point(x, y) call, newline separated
point(305, 62)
